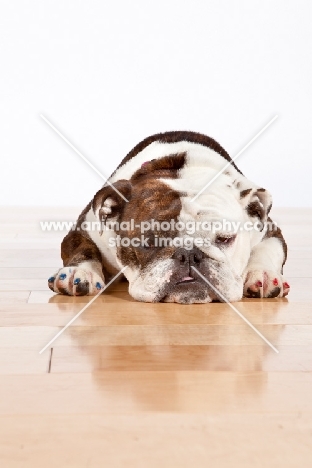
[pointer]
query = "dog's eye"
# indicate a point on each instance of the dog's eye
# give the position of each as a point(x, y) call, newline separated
point(225, 240)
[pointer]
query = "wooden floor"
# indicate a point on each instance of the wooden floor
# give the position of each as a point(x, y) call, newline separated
point(150, 385)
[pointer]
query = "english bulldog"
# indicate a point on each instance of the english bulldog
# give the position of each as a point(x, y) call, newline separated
point(183, 223)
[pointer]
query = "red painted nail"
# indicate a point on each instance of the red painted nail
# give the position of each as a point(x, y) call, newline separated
point(275, 282)
point(286, 285)
point(258, 283)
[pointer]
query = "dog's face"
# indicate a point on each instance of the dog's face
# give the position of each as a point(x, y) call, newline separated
point(176, 249)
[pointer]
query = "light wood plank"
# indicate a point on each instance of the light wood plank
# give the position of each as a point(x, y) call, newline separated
point(25, 273)
point(23, 361)
point(181, 358)
point(31, 258)
point(139, 335)
point(154, 440)
point(163, 391)
point(107, 311)
point(41, 297)
point(24, 284)
point(13, 297)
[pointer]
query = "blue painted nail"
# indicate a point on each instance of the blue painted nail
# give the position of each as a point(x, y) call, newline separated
point(98, 285)
point(62, 276)
point(77, 281)
point(50, 280)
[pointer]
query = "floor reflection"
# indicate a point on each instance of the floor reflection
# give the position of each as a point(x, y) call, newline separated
point(169, 357)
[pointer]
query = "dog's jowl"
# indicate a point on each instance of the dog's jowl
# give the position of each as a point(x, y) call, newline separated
point(187, 228)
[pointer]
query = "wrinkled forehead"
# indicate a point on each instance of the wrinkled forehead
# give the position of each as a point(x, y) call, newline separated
point(212, 205)
point(201, 200)
point(166, 199)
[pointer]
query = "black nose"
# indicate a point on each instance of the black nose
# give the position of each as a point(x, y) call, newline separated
point(188, 257)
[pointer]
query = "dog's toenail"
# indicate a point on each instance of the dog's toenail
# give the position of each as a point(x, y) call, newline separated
point(258, 283)
point(286, 285)
point(51, 280)
point(77, 281)
point(98, 285)
point(62, 276)
point(275, 281)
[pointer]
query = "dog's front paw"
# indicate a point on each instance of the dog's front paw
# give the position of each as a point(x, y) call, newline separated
point(78, 280)
point(267, 283)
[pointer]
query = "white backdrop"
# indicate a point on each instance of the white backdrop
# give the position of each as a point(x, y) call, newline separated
point(108, 74)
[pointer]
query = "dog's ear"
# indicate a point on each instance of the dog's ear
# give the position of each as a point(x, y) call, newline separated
point(108, 203)
point(257, 202)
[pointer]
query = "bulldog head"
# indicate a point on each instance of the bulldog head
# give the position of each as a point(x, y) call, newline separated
point(177, 249)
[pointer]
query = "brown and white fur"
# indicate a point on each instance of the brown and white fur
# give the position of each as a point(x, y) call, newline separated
point(159, 177)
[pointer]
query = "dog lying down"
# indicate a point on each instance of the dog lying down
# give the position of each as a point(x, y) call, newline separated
point(186, 224)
